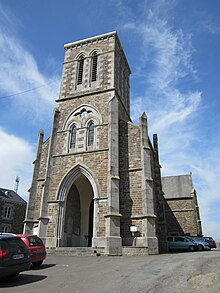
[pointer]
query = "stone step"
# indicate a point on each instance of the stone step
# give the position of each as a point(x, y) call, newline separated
point(134, 250)
point(76, 251)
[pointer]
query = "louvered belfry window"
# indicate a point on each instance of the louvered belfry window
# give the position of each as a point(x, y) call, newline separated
point(90, 133)
point(94, 66)
point(80, 70)
point(73, 136)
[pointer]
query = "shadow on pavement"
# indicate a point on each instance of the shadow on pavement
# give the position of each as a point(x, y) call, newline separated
point(23, 279)
point(42, 267)
point(20, 280)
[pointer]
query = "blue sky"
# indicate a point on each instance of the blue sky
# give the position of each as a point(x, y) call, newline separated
point(173, 49)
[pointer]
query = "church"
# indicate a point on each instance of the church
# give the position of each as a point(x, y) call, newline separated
point(96, 179)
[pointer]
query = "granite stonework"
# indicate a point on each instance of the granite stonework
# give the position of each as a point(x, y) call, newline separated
point(181, 206)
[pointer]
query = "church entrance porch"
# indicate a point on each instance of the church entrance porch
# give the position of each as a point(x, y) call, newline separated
point(76, 215)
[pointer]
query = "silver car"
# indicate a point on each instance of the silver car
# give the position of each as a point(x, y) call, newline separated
point(181, 243)
point(201, 243)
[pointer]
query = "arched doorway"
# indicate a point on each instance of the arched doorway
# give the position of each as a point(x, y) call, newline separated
point(78, 219)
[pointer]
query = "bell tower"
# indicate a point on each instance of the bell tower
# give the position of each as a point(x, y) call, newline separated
point(95, 84)
point(74, 197)
point(96, 65)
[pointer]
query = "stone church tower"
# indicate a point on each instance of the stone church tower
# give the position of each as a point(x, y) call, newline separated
point(96, 179)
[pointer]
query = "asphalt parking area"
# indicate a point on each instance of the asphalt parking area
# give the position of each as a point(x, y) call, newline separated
point(176, 272)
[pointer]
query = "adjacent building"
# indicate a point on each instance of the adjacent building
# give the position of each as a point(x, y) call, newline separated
point(181, 206)
point(12, 211)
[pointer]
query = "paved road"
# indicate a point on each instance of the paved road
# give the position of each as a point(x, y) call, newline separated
point(173, 273)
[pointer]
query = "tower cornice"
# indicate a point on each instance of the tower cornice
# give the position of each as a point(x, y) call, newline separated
point(90, 40)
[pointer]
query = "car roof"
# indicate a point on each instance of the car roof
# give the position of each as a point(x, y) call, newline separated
point(25, 235)
point(8, 236)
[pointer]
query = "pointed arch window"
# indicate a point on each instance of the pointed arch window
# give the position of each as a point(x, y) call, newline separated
point(80, 70)
point(94, 66)
point(73, 136)
point(91, 127)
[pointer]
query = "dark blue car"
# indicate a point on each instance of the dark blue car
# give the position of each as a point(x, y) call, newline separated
point(14, 256)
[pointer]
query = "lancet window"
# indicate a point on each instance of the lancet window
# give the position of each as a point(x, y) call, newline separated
point(73, 136)
point(91, 133)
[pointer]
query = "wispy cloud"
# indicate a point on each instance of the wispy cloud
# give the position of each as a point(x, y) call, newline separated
point(207, 171)
point(165, 62)
point(210, 27)
point(19, 72)
point(207, 23)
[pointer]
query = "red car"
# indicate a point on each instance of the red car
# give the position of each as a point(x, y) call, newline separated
point(36, 248)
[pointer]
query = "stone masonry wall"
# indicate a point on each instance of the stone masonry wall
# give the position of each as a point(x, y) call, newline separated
point(130, 179)
point(16, 221)
point(105, 50)
point(122, 73)
point(100, 103)
point(43, 159)
point(41, 179)
point(180, 216)
point(97, 162)
point(95, 159)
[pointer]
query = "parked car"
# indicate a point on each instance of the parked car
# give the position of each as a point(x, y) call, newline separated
point(36, 248)
point(201, 242)
point(211, 242)
point(14, 256)
point(181, 243)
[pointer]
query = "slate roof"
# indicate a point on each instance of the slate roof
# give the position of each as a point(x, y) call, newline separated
point(177, 186)
point(11, 196)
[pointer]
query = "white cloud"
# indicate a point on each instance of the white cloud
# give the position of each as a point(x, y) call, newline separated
point(207, 24)
point(173, 113)
point(16, 157)
point(19, 73)
point(8, 19)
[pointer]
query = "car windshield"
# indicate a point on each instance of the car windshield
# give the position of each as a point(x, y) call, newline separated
point(35, 241)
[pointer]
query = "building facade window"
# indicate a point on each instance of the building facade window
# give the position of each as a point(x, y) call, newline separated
point(80, 70)
point(94, 66)
point(91, 133)
point(73, 136)
point(6, 228)
point(7, 212)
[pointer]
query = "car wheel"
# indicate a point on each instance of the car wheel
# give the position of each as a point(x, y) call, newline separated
point(200, 247)
point(37, 263)
point(191, 248)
